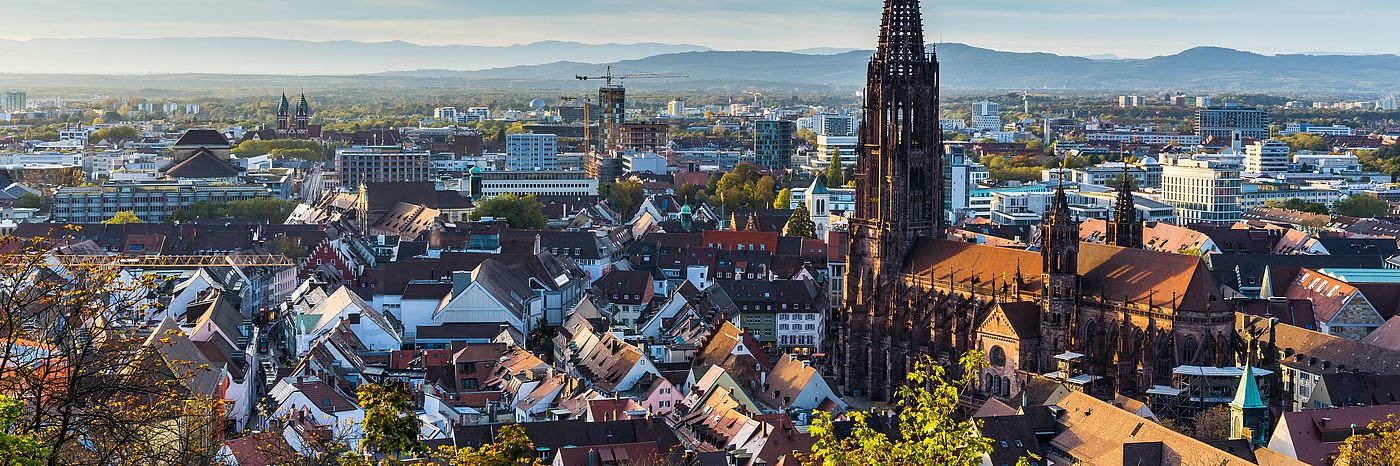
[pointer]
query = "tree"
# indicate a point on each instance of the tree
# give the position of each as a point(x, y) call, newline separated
point(1306, 141)
point(122, 218)
point(1362, 206)
point(32, 201)
point(17, 449)
point(836, 172)
point(511, 448)
point(1300, 206)
point(267, 209)
point(289, 148)
point(116, 134)
point(626, 197)
point(1211, 425)
point(290, 247)
point(800, 224)
point(524, 212)
point(104, 392)
point(390, 425)
point(1380, 446)
point(784, 199)
point(930, 431)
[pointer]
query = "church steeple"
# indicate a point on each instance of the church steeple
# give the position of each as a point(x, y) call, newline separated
point(1059, 294)
point(1249, 416)
point(1126, 229)
point(303, 118)
point(1060, 236)
point(898, 194)
point(284, 116)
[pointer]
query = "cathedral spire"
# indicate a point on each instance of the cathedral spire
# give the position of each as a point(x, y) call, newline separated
point(303, 108)
point(285, 107)
point(1125, 230)
point(902, 33)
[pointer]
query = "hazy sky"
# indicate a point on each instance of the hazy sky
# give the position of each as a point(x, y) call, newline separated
point(1132, 28)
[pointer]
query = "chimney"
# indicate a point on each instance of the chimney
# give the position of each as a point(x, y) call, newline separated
point(461, 279)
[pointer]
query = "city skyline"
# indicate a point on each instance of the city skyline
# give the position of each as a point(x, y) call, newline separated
point(1079, 27)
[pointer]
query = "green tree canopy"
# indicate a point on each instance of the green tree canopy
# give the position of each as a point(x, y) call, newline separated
point(1300, 205)
point(32, 201)
point(17, 449)
point(115, 134)
point(253, 148)
point(268, 209)
point(626, 197)
point(1362, 206)
point(511, 448)
point(122, 218)
point(836, 172)
point(928, 421)
point(800, 224)
point(520, 211)
point(784, 199)
point(390, 424)
point(1305, 141)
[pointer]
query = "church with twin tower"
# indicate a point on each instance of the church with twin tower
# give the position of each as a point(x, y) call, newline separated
point(1114, 318)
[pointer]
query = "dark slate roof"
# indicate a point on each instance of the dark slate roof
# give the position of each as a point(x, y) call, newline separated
point(797, 293)
point(203, 164)
point(558, 434)
point(202, 137)
point(1229, 269)
point(1385, 247)
point(459, 331)
point(1012, 437)
point(383, 196)
point(565, 242)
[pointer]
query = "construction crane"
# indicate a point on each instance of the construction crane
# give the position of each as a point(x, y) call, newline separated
point(613, 97)
point(587, 123)
point(159, 262)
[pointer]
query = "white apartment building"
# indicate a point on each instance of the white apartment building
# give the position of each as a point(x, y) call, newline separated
point(676, 108)
point(827, 146)
point(1269, 156)
point(1205, 189)
point(539, 183)
point(1143, 137)
point(986, 115)
point(532, 152)
point(952, 124)
point(447, 114)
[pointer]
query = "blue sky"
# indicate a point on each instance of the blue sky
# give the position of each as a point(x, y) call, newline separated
point(1131, 28)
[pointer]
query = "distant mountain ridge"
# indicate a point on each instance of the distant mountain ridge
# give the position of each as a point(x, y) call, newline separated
point(254, 55)
point(218, 61)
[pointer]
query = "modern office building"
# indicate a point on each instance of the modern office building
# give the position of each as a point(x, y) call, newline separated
point(986, 115)
point(836, 125)
point(960, 175)
point(373, 164)
point(1224, 120)
point(540, 183)
point(151, 202)
point(1269, 156)
point(829, 147)
point(1204, 189)
point(774, 143)
point(532, 152)
point(14, 101)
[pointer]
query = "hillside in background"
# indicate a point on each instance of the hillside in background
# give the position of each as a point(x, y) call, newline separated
point(271, 63)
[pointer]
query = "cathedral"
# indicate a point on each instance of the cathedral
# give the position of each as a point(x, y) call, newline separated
point(287, 126)
point(1113, 318)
